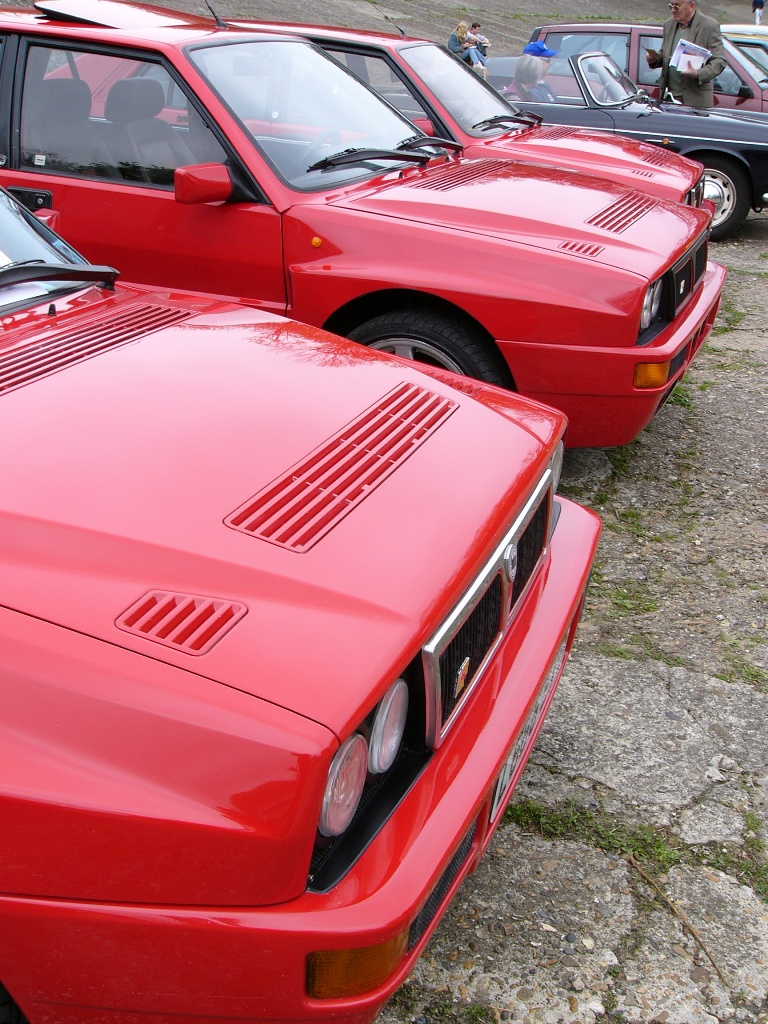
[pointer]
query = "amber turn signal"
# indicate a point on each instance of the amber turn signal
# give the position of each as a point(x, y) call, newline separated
point(651, 375)
point(338, 973)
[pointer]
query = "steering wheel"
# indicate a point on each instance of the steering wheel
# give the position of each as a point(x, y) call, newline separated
point(329, 139)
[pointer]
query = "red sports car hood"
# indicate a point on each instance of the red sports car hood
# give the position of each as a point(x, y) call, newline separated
point(129, 473)
point(665, 174)
point(545, 207)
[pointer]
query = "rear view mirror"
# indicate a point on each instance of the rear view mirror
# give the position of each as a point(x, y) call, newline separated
point(202, 183)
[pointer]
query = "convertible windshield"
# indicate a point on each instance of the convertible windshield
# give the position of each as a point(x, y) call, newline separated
point(28, 251)
point(605, 80)
point(301, 108)
point(459, 89)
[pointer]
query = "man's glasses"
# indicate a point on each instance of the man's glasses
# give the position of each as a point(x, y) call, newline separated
point(676, 7)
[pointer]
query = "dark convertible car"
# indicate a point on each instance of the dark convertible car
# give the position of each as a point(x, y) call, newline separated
point(591, 91)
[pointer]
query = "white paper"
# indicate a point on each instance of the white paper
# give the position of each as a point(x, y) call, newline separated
point(689, 56)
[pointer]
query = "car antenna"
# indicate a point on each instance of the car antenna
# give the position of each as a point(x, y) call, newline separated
point(216, 18)
point(400, 30)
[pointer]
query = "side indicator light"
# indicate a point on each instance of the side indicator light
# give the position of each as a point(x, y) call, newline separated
point(338, 973)
point(651, 375)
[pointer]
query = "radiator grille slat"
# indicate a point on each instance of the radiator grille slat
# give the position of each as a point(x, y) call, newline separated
point(302, 505)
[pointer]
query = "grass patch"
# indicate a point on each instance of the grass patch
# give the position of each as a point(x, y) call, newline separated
point(731, 317)
point(681, 396)
point(656, 849)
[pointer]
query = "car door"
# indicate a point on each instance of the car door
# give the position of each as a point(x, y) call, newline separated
point(97, 137)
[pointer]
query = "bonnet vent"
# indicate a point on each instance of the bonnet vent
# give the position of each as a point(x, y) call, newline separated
point(82, 340)
point(655, 156)
point(185, 623)
point(302, 505)
point(448, 177)
point(642, 173)
point(554, 132)
point(622, 214)
point(581, 248)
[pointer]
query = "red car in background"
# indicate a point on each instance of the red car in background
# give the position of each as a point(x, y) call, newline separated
point(743, 85)
point(259, 716)
point(442, 97)
point(252, 164)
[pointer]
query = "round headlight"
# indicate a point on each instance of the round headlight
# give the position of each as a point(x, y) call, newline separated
point(344, 787)
point(651, 304)
point(388, 727)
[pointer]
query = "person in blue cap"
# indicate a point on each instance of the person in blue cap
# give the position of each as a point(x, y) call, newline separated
point(541, 91)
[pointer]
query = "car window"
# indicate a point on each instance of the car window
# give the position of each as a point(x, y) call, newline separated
point(107, 116)
point(568, 44)
point(560, 79)
point(756, 52)
point(380, 75)
point(645, 75)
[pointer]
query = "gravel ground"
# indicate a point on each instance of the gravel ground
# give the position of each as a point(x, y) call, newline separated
point(629, 881)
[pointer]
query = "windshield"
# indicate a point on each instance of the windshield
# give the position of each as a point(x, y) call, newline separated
point(605, 80)
point(457, 87)
point(24, 241)
point(300, 108)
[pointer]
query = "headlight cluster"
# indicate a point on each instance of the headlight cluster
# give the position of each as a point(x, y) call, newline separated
point(357, 756)
point(651, 304)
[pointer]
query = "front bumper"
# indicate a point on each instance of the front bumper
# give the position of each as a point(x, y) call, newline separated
point(67, 962)
point(594, 386)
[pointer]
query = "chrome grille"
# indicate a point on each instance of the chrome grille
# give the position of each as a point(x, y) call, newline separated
point(685, 276)
point(455, 657)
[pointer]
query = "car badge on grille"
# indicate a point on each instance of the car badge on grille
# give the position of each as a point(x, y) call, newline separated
point(682, 286)
point(461, 677)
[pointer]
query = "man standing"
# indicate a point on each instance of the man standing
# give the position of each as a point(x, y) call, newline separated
point(693, 87)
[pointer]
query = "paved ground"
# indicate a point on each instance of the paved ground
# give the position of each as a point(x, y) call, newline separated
point(629, 881)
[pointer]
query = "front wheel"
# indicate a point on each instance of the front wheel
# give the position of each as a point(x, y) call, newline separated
point(727, 186)
point(436, 340)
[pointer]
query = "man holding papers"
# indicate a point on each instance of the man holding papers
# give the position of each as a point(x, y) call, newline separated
point(691, 55)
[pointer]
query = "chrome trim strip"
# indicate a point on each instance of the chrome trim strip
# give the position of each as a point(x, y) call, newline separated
point(437, 644)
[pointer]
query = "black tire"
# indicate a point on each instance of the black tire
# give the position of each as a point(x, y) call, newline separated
point(436, 340)
point(728, 186)
point(9, 1011)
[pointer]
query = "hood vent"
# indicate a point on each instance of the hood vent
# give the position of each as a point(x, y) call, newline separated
point(622, 214)
point(655, 156)
point(581, 248)
point(449, 176)
point(553, 132)
point(302, 505)
point(185, 623)
point(82, 340)
point(642, 173)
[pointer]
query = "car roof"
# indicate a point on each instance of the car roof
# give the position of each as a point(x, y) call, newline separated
point(329, 32)
point(144, 22)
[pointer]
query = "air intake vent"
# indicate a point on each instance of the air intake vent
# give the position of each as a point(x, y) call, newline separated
point(554, 132)
point(622, 214)
point(448, 177)
point(302, 505)
point(657, 157)
point(185, 623)
point(581, 248)
point(81, 340)
point(640, 173)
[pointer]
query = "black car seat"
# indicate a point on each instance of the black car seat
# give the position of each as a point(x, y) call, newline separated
point(133, 105)
point(57, 133)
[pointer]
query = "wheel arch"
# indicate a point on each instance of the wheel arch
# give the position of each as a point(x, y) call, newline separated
point(703, 155)
point(364, 307)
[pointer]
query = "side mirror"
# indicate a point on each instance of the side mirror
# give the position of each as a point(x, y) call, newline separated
point(202, 183)
point(50, 218)
point(745, 93)
point(424, 125)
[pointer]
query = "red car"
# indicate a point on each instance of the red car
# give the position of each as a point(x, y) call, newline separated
point(244, 676)
point(443, 97)
point(743, 85)
point(250, 164)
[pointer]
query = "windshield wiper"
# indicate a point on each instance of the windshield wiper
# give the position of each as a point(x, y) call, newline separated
point(361, 156)
point(424, 141)
point(23, 271)
point(518, 117)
